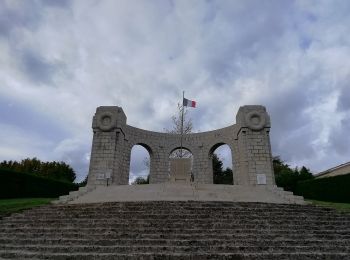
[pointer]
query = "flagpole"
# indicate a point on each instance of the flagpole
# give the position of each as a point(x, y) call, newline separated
point(182, 121)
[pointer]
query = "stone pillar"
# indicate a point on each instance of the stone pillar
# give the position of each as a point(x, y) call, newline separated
point(159, 168)
point(107, 125)
point(203, 166)
point(254, 165)
point(235, 162)
point(122, 166)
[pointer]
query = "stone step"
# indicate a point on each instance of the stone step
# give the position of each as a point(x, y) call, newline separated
point(183, 226)
point(175, 218)
point(9, 254)
point(109, 230)
point(177, 249)
point(165, 211)
point(191, 203)
point(176, 230)
point(185, 223)
point(106, 210)
point(171, 211)
point(147, 205)
point(175, 226)
point(179, 213)
point(171, 242)
point(221, 236)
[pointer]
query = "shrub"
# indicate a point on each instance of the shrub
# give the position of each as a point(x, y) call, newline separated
point(20, 185)
point(334, 189)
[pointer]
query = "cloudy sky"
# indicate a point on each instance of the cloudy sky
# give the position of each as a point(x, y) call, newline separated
point(59, 60)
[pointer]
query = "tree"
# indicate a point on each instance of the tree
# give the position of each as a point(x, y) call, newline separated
point(84, 182)
point(305, 174)
point(141, 180)
point(220, 175)
point(176, 119)
point(287, 177)
point(176, 129)
point(51, 170)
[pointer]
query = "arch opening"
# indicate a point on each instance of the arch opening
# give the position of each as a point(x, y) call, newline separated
point(177, 154)
point(140, 161)
point(222, 165)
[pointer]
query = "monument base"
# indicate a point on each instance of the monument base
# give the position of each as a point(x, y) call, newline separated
point(181, 192)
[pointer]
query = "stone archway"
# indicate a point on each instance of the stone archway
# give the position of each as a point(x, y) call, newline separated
point(248, 139)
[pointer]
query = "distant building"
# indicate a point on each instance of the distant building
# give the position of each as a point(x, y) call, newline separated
point(341, 169)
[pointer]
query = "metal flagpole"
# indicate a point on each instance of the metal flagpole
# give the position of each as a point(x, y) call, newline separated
point(182, 121)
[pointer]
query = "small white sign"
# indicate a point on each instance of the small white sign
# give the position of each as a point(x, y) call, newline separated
point(100, 176)
point(108, 174)
point(261, 179)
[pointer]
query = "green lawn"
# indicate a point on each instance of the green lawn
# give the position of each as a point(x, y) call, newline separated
point(344, 207)
point(8, 206)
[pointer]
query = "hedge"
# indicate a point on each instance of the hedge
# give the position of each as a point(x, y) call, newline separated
point(21, 185)
point(334, 189)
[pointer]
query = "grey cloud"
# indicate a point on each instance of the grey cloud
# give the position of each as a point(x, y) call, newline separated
point(344, 98)
point(339, 138)
point(77, 159)
point(133, 55)
point(24, 117)
point(56, 3)
point(37, 68)
point(27, 15)
point(239, 34)
point(288, 116)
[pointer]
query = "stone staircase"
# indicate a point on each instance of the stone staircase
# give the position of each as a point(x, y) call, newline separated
point(176, 230)
point(181, 192)
point(74, 194)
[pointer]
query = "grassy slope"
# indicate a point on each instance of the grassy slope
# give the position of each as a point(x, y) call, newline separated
point(344, 207)
point(8, 206)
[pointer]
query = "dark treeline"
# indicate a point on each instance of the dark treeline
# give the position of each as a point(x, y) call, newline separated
point(52, 170)
point(287, 177)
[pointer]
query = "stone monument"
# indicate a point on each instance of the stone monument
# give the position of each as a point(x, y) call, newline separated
point(248, 140)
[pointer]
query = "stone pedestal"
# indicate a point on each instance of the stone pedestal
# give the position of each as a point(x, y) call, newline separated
point(180, 170)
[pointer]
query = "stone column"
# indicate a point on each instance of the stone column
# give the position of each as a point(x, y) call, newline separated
point(107, 125)
point(122, 169)
point(254, 165)
point(203, 166)
point(159, 168)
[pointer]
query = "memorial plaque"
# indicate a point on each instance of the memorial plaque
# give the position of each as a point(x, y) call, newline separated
point(108, 174)
point(261, 179)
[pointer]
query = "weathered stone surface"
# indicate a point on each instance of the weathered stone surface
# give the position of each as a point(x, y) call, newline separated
point(248, 139)
point(176, 230)
point(182, 191)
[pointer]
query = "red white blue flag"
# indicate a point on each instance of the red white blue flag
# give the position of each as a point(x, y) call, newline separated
point(189, 103)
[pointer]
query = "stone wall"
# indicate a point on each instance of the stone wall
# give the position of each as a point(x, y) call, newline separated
point(248, 140)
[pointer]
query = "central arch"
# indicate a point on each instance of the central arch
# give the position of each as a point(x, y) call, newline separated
point(178, 153)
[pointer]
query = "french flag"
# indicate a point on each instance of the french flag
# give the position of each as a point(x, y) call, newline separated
point(189, 103)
